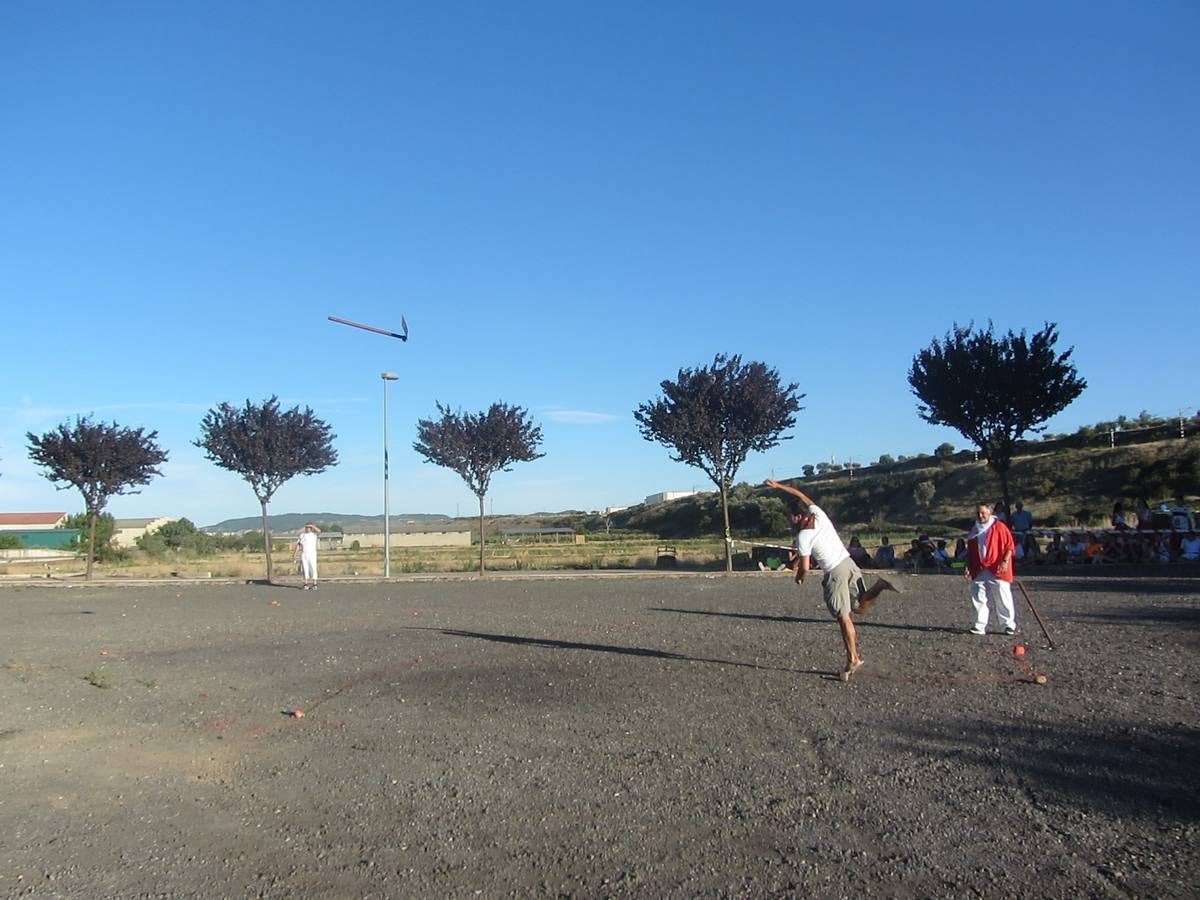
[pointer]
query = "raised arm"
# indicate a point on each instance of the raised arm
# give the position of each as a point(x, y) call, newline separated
point(788, 489)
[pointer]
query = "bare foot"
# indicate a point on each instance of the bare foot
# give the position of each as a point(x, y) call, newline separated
point(853, 668)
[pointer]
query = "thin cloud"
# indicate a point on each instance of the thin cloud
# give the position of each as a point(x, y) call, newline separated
point(57, 412)
point(580, 417)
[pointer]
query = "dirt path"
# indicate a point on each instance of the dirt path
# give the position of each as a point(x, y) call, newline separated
point(594, 737)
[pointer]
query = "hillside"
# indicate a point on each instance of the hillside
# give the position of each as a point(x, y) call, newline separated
point(1061, 486)
point(295, 521)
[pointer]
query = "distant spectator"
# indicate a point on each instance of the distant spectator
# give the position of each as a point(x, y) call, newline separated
point(859, 553)
point(919, 555)
point(1162, 549)
point(885, 556)
point(1076, 548)
point(1022, 520)
point(1145, 515)
point(1033, 550)
point(1189, 547)
point(1000, 511)
point(1093, 552)
point(941, 555)
point(1113, 550)
point(1056, 551)
point(960, 550)
point(1120, 520)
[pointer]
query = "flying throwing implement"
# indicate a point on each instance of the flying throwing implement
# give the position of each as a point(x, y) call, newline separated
point(403, 335)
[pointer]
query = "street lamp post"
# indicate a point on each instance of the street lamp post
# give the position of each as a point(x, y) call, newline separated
point(387, 522)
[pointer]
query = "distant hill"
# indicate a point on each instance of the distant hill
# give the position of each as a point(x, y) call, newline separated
point(295, 521)
point(1061, 486)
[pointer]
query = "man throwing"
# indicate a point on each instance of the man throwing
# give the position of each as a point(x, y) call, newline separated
point(818, 546)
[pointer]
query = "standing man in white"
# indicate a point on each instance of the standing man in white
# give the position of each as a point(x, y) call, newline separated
point(990, 551)
point(307, 544)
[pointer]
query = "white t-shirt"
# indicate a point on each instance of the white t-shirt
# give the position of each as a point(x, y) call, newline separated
point(821, 542)
point(308, 543)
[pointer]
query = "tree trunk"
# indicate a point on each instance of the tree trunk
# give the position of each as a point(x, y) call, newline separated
point(481, 534)
point(1004, 494)
point(728, 545)
point(93, 515)
point(1002, 473)
point(267, 542)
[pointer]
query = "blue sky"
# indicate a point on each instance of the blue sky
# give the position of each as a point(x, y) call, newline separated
point(569, 202)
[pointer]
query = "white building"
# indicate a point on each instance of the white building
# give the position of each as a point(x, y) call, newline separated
point(127, 531)
point(667, 495)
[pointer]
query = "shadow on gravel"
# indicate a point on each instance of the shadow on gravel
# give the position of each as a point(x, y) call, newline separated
point(1142, 584)
point(1127, 771)
point(859, 623)
point(756, 617)
point(1175, 616)
point(610, 648)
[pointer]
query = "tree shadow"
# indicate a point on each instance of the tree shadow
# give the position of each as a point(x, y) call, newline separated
point(1125, 769)
point(858, 623)
point(649, 652)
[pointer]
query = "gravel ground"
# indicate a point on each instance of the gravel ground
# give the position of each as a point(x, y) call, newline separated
point(595, 736)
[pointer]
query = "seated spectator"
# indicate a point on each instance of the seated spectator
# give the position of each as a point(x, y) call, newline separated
point(1056, 551)
point(960, 550)
point(1093, 551)
point(1162, 549)
point(1033, 550)
point(1114, 550)
point(859, 553)
point(1076, 548)
point(1145, 515)
point(885, 556)
point(919, 555)
point(941, 555)
point(1142, 547)
point(1189, 547)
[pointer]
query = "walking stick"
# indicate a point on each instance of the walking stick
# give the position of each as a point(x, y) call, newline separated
point(1036, 615)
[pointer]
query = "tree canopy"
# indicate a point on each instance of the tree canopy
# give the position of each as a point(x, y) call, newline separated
point(478, 445)
point(100, 460)
point(993, 390)
point(713, 417)
point(267, 446)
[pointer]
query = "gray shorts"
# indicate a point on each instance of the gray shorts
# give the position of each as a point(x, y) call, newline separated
point(842, 585)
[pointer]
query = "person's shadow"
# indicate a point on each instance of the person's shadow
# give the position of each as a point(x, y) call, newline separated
point(650, 652)
point(858, 623)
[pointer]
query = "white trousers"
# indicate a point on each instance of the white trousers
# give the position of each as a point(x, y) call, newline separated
point(308, 565)
point(985, 587)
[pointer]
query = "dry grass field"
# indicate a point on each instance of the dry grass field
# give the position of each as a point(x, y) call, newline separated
point(600, 555)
